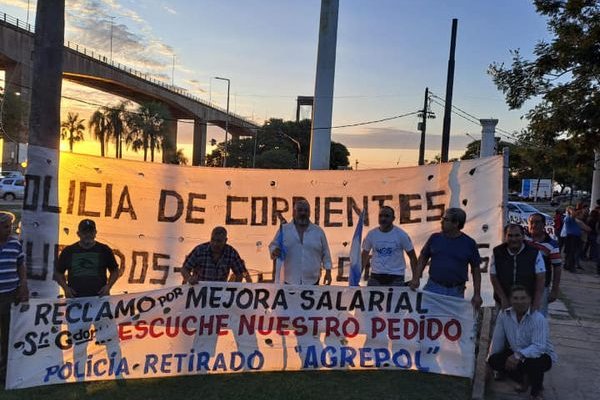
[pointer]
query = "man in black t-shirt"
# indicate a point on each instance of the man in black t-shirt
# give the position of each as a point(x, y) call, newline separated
point(86, 263)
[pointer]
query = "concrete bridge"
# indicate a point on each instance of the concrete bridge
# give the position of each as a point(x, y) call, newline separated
point(88, 68)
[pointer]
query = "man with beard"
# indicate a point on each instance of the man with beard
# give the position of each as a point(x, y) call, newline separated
point(304, 248)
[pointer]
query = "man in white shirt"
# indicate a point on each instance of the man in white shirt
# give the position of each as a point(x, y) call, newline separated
point(306, 249)
point(529, 352)
point(385, 246)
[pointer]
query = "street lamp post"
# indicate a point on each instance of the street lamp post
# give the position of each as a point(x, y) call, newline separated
point(226, 121)
point(111, 36)
point(297, 145)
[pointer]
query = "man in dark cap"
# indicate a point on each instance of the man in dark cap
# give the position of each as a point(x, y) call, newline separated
point(86, 264)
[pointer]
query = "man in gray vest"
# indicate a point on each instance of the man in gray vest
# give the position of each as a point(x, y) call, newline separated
point(516, 263)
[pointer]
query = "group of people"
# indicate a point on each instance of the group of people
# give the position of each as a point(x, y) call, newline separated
point(524, 270)
point(578, 229)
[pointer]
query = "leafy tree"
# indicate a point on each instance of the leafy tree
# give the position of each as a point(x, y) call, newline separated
point(72, 129)
point(13, 115)
point(179, 158)
point(279, 144)
point(564, 76)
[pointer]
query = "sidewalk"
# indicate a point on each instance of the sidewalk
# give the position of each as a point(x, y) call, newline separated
point(575, 332)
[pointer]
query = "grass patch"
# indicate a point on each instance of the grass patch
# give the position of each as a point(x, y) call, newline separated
point(270, 385)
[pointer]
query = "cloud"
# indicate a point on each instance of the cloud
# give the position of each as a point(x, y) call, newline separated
point(88, 23)
point(391, 138)
point(169, 9)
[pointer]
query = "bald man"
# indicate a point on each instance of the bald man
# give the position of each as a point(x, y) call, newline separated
point(214, 260)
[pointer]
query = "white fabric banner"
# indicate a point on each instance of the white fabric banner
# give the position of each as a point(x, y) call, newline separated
point(236, 327)
point(153, 215)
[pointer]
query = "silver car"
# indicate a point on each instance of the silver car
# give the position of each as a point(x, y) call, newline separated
point(12, 188)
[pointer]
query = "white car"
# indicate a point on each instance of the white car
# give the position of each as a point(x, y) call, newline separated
point(12, 188)
point(519, 212)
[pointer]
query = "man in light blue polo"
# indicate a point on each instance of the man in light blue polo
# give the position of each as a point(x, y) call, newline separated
point(451, 252)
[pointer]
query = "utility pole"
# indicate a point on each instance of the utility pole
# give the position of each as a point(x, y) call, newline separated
point(173, 72)
point(449, 88)
point(40, 218)
point(320, 133)
point(424, 127)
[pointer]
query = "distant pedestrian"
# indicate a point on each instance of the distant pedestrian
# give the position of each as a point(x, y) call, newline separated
point(571, 231)
point(559, 215)
point(385, 247)
point(548, 247)
point(451, 253)
point(521, 345)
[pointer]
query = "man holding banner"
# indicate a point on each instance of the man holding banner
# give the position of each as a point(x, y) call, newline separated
point(87, 262)
point(306, 249)
point(212, 261)
point(451, 252)
point(387, 243)
point(13, 281)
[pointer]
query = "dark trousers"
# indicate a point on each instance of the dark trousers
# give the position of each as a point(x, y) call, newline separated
point(6, 299)
point(572, 246)
point(533, 368)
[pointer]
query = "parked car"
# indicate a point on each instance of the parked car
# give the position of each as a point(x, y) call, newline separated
point(12, 188)
point(519, 212)
point(10, 174)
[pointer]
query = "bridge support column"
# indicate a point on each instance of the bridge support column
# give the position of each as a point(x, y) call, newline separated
point(199, 145)
point(170, 141)
point(17, 84)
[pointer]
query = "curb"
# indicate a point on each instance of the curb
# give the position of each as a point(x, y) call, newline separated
point(481, 371)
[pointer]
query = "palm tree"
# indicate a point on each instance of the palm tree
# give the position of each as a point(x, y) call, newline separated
point(100, 126)
point(147, 128)
point(72, 129)
point(117, 117)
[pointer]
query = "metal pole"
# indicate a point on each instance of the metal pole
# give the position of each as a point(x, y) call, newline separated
point(320, 135)
point(449, 88)
point(505, 174)
point(27, 23)
point(173, 72)
point(111, 36)
point(254, 152)
point(423, 128)
point(226, 121)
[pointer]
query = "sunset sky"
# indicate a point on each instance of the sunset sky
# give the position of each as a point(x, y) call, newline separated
point(388, 52)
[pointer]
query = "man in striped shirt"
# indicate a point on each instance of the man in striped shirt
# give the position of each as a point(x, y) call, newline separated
point(529, 353)
point(550, 250)
point(13, 281)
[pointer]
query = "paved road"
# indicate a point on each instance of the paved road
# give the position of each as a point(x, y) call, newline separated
point(575, 332)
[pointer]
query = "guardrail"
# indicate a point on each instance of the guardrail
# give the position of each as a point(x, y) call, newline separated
point(10, 20)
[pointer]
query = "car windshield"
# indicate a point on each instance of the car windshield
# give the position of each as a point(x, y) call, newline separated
point(527, 208)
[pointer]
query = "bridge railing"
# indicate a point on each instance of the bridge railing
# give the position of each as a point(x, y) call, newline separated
point(10, 20)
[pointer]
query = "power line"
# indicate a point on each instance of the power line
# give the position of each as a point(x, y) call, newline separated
point(249, 128)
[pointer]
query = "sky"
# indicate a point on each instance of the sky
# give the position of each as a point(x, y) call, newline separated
point(388, 51)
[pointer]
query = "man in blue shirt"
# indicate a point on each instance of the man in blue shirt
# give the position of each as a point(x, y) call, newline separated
point(13, 281)
point(451, 252)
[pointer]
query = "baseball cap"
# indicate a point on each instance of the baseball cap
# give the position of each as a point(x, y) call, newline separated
point(87, 225)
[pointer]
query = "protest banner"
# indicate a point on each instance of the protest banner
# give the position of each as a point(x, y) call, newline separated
point(153, 215)
point(235, 327)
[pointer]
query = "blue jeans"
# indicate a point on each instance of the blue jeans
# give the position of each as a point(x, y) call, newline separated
point(455, 291)
point(544, 306)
